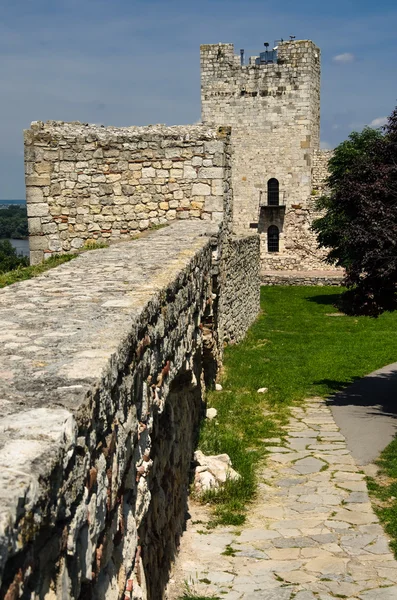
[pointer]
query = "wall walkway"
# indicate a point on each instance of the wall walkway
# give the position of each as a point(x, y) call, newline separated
point(103, 362)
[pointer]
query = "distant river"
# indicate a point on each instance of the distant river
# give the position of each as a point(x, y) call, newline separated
point(21, 246)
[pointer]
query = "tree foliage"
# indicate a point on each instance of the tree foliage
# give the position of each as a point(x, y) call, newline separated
point(13, 222)
point(9, 259)
point(359, 226)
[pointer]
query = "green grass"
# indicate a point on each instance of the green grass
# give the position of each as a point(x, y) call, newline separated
point(383, 491)
point(189, 596)
point(297, 351)
point(23, 273)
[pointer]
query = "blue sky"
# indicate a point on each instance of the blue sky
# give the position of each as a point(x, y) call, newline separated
point(129, 62)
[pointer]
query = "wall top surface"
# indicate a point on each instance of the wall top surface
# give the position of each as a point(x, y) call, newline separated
point(61, 329)
point(99, 132)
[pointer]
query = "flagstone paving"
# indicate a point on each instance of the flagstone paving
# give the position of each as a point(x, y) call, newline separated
point(311, 534)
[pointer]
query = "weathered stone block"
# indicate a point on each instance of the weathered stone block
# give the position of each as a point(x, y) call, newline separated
point(217, 187)
point(36, 257)
point(48, 227)
point(189, 172)
point(214, 204)
point(148, 172)
point(201, 189)
point(210, 173)
point(213, 147)
point(38, 242)
point(34, 224)
point(37, 210)
point(34, 194)
point(37, 180)
point(77, 243)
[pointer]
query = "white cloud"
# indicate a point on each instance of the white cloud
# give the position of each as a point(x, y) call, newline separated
point(325, 146)
point(378, 122)
point(346, 57)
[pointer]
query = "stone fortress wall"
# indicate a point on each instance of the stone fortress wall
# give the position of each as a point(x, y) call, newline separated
point(274, 112)
point(104, 361)
point(85, 182)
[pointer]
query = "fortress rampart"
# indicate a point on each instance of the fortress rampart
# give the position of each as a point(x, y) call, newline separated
point(103, 365)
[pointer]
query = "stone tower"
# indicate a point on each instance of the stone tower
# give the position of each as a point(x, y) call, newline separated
point(273, 106)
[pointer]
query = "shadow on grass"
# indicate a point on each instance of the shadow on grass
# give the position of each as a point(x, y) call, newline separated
point(325, 299)
point(337, 386)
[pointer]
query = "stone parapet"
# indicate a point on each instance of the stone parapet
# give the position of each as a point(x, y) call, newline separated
point(317, 277)
point(103, 361)
point(87, 182)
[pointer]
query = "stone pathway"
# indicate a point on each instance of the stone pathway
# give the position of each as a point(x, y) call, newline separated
point(311, 535)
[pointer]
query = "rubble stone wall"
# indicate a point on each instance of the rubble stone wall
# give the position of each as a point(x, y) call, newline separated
point(103, 361)
point(86, 182)
point(320, 171)
point(331, 277)
point(298, 244)
point(240, 286)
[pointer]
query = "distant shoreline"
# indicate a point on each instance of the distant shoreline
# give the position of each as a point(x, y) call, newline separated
point(20, 245)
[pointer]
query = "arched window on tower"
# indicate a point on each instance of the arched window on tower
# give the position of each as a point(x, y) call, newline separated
point(273, 192)
point(273, 237)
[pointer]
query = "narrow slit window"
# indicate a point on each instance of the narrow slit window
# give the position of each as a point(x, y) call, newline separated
point(273, 239)
point(273, 192)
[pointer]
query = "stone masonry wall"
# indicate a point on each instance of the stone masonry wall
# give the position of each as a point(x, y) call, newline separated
point(240, 286)
point(103, 361)
point(330, 277)
point(301, 252)
point(86, 182)
point(273, 110)
point(320, 171)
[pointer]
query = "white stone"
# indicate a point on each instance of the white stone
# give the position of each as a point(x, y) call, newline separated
point(211, 413)
point(212, 471)
point(189, 172)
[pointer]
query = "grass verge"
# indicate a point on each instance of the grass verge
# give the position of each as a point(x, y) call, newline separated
point(299, 347)
point(383, 492)
point(23, 273)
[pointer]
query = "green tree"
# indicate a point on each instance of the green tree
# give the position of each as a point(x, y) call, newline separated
point(359, 225)
point(13, 222)
point(9, 259)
